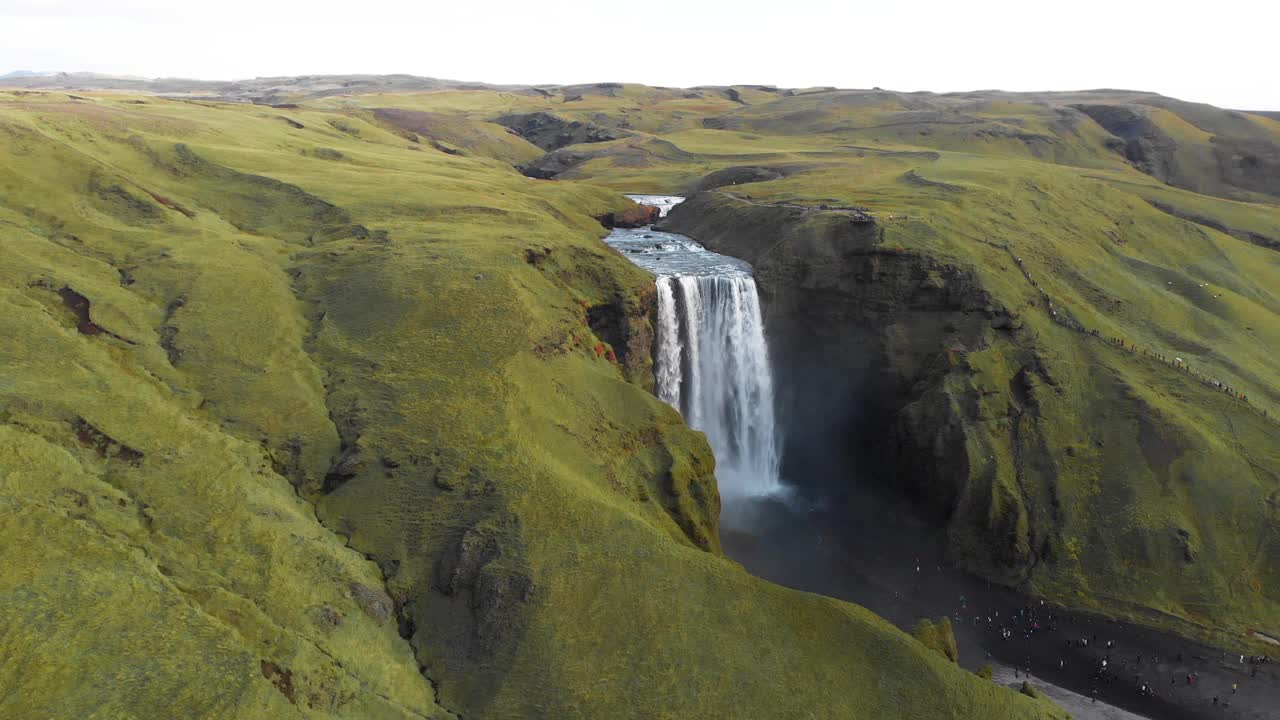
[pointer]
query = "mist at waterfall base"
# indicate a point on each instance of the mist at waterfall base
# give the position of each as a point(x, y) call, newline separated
point(712, 362)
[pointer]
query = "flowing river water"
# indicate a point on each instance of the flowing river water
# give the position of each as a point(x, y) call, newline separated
point(712, 364)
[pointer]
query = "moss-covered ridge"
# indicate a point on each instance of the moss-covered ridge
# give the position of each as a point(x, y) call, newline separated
point(306, 418)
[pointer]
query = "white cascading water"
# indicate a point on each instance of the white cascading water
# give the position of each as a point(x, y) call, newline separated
point(670, 348)
point(713, 365)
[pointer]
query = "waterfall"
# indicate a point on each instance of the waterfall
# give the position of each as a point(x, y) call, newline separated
point(713, 366)
point(712, 363)
point(669, 345)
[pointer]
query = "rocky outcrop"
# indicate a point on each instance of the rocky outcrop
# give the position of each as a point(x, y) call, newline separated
point(633, 217)
point(553, 163)
point(551, 132)
point(1236, 154)
point(1144, 143)
point(625, 324)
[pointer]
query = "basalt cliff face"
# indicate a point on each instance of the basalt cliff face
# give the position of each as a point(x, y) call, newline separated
point(1003, 424)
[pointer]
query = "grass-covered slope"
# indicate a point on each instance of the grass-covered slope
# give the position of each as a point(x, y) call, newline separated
point(307, 412)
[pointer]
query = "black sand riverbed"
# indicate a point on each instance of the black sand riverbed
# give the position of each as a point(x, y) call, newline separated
point(869, 550)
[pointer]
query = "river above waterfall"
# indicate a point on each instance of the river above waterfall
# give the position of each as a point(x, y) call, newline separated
point(664, 253)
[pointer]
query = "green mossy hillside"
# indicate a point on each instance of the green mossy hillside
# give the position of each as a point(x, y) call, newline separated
point(938, 637)
point(302, 418)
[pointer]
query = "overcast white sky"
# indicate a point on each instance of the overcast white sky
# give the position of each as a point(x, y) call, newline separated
point(1220, 52)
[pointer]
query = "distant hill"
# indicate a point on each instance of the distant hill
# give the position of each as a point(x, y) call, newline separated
point(22, 73)
point(264, 90)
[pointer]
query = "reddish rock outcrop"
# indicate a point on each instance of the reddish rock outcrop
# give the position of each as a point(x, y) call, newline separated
point(633, 217)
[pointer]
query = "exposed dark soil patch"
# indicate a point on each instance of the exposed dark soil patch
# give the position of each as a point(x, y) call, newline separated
point(168, 203)
point(536, 256)
point(104, 445)
point(168, 331)
point(79, 306)
point(445, 148)
point(281, 678)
